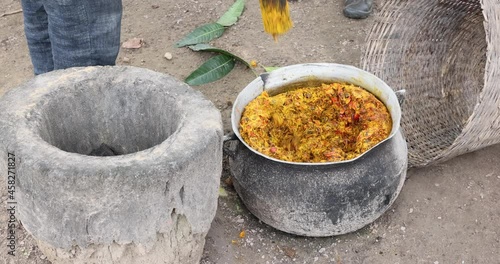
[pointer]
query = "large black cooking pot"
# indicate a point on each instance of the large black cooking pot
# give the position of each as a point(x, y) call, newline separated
point(319, 199)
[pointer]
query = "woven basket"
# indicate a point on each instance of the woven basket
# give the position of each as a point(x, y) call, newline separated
point(446, 54)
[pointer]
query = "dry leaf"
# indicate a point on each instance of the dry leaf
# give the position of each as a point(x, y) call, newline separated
point(289, 252)
point(133, 43)
point(242, 234)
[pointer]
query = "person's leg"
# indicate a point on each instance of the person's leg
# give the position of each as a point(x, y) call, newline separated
point(36, 28)
point(84, 32)
point(358, 8)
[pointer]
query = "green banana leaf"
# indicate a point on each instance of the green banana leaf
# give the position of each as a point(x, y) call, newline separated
point(202, 34)
point(212, 70)
point(232, 14)
point(270, 69)
point(207, 47)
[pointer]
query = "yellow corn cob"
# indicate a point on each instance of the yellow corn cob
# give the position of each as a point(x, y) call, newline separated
point(275, 17)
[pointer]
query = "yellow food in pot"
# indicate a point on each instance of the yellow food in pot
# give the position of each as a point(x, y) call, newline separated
point(332, 122)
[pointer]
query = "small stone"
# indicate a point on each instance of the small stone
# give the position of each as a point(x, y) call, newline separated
point(126, 59)
point(439, 217)
point(321, 250)
point(403, 228)
point(316, 259)
point(436, 262)
point(133, 43)
point(411, 210)
point(42, 257)
point(168, 55)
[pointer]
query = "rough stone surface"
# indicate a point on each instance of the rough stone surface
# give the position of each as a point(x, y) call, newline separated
point(179, 245)
point(321, 200)
point(155, 201)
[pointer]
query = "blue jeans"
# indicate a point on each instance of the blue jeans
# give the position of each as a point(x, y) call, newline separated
point(70, 33)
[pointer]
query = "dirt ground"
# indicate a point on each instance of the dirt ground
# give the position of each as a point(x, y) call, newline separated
point(448, 213)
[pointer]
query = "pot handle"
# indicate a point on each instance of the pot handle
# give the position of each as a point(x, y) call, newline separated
point(231, 152)
point(401, 94)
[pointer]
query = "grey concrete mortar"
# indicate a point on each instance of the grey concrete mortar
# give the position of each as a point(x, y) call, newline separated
point(171, 137)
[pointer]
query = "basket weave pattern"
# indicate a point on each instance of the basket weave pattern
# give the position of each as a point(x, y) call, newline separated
point(446, 54)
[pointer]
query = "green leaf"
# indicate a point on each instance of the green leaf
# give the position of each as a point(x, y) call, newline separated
point(222, 192)
point(270, 69)
point(207, 47)
point(238, 208)
point(202, 34)
point(212, 70)
point(232, 14)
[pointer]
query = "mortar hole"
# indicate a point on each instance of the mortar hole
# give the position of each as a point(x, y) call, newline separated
point(104, 150)
point(107, 121)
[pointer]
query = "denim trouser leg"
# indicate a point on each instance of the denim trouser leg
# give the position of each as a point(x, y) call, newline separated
point(36, 26)
point(82, 32)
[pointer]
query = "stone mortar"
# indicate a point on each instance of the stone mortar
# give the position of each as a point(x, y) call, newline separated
point(153, 204)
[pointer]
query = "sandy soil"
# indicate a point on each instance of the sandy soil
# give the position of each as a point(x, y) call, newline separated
point(445, 214)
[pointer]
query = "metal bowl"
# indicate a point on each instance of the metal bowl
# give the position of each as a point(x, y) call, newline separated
point(319, 199)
